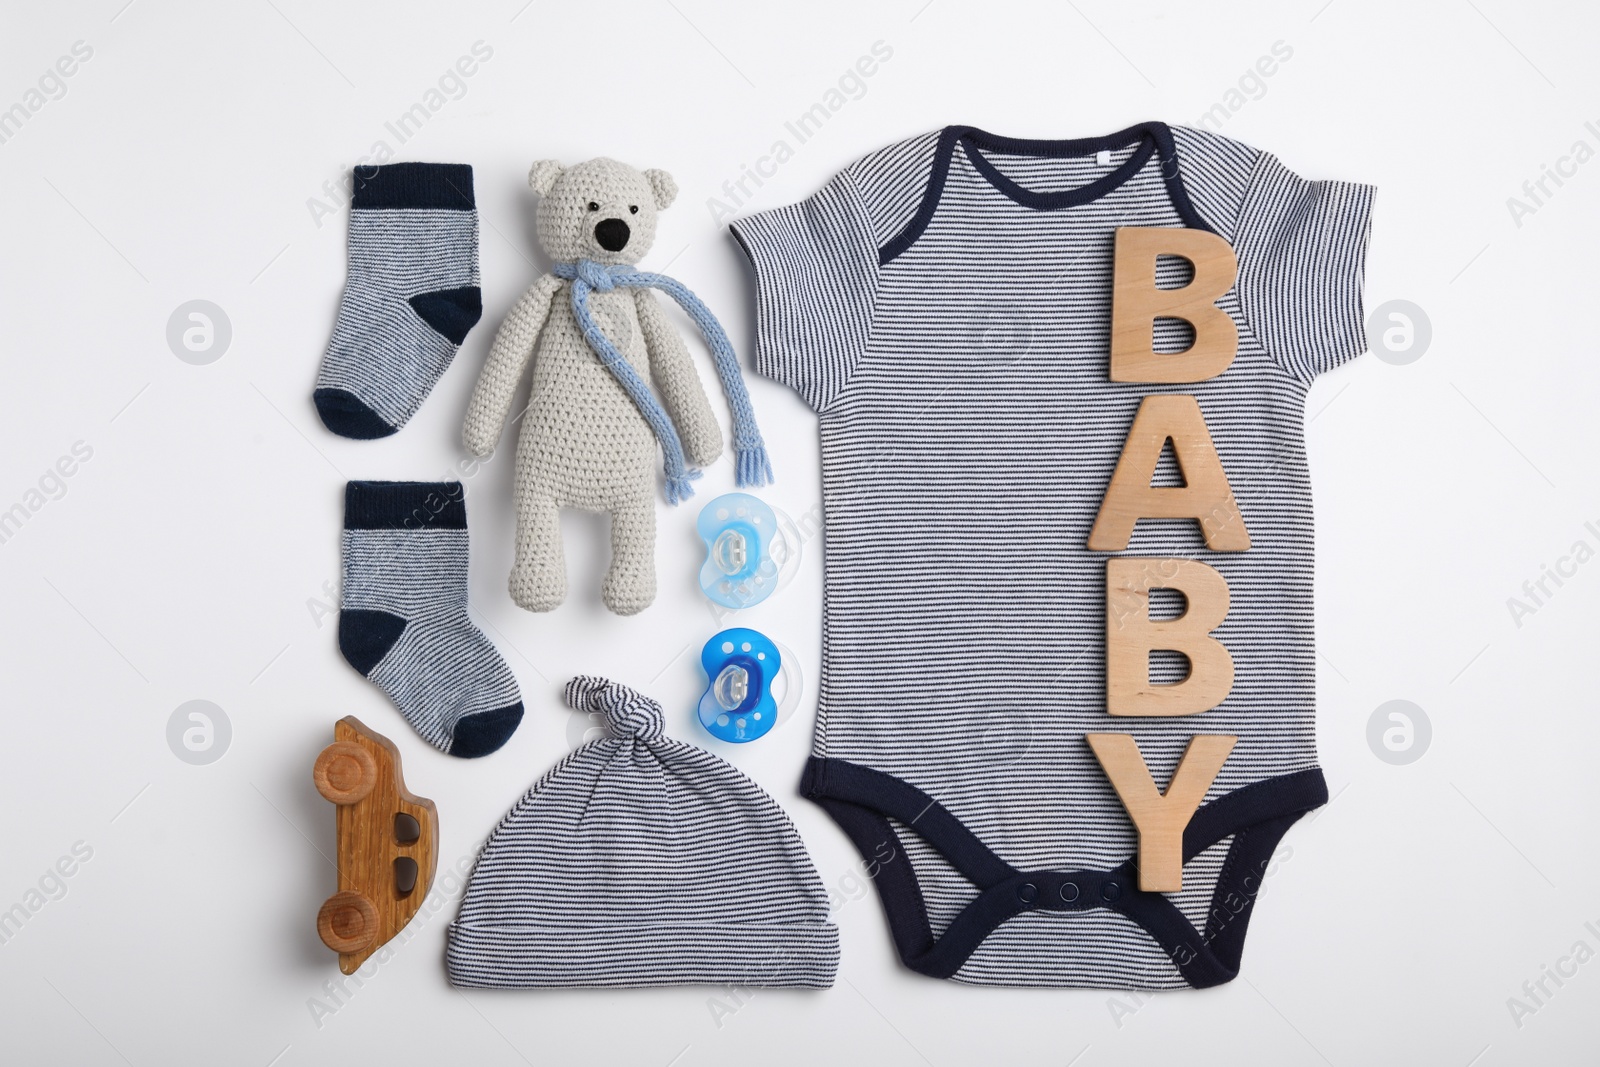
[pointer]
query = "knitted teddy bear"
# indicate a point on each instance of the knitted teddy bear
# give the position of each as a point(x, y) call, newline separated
point(596, 334)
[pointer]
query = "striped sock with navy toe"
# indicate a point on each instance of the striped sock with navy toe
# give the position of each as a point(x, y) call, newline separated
point(403, 616)
point(411, 297)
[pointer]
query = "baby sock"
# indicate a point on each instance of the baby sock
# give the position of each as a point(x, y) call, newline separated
point(403, 615)
point(410, 299)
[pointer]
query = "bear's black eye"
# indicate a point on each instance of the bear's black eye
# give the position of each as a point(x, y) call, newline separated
point(633, 209)
point(593, 206)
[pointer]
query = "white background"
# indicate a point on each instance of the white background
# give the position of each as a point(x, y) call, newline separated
point(186, 558)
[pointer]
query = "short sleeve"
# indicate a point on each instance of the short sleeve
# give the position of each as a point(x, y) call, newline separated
point(816, 268)
point(1302, 248)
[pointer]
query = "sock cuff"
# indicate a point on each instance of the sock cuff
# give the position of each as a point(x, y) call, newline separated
point(439, 186)
point(405, 506)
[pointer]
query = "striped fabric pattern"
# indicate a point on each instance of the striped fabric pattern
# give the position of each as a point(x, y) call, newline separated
point(1315, 245)
point(642, 861)
point(382, 351)
point(814, 317)
point(443, 668)
point(969, 430)
point(403, 616)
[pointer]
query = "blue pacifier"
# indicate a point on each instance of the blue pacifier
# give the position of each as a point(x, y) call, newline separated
point(740, 569)
point(738, 706)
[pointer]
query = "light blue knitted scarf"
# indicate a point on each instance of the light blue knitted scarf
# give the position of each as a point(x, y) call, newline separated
point(751, 466)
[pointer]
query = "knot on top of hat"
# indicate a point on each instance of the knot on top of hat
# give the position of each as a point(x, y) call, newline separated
point(627, 713)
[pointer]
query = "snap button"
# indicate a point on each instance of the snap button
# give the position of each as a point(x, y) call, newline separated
point(1110, 891)
point(1069, 891)
point(1027, 892)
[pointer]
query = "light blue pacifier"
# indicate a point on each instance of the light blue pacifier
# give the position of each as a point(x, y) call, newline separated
point(741, 566)
point(738, 706)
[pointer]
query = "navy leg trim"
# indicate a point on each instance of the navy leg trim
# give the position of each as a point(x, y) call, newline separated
point(862, 801)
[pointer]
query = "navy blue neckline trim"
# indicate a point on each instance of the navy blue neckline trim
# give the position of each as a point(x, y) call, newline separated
point(862, 801)
point(1154, 138)
point(974, 141)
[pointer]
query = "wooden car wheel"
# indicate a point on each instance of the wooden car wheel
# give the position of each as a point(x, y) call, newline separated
point(347, 922)
point(345, 772)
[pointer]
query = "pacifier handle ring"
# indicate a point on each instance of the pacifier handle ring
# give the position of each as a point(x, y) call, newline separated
point(793, 683)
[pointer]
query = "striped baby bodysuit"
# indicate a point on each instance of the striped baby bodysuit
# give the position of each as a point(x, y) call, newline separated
point(944, 304)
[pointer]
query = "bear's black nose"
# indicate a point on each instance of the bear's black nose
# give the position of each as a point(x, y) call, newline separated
point(613, 235)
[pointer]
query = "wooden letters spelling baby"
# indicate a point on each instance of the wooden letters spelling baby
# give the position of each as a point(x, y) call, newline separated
point(1206, 497)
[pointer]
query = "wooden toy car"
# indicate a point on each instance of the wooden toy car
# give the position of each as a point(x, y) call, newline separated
point(387, 843)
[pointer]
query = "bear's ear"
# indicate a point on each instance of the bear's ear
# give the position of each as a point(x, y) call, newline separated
point(664, 188)
point(543, 174)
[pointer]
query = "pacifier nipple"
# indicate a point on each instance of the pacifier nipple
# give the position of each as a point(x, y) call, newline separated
point(731, 687)
point(731, 551)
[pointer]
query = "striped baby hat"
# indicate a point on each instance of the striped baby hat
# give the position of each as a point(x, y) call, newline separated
point(642, 861)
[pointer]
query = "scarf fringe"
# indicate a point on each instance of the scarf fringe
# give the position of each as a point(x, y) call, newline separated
point(680, 487)
point(751, 466)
